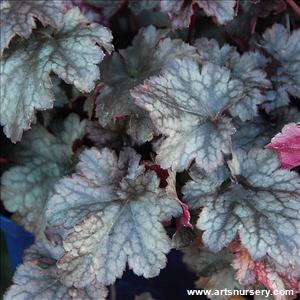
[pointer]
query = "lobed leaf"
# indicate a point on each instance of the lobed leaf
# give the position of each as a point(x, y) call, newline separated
point(180, 12)
point(60, 52)
point(259, 202)
point(264, 272)
point(187, 104)
point(111, 212)
point(122, 71)
point(248, 68)
point(18, 17)
point(42, 159)
point(286, 62)
point(37, 278)
point(249, 14)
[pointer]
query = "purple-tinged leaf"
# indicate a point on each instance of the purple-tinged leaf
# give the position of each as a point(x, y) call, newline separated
point(222, 11)
point(214, 269)
point(251, 272)
point(180, 13)
point(112, 136)
point(258, 132)
point(184, 219)
point(287, 145)
point(242, 29)
point(98, 11)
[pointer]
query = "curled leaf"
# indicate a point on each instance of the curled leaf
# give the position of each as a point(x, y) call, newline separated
point(287, 145)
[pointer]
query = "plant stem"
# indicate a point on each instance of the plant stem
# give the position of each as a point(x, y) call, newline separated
point(112, 292)
point(294, 6)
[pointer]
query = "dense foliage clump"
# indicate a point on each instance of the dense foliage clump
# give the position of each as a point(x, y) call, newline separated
point(123, 118)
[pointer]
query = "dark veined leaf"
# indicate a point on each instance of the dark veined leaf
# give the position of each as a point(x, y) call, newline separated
point(45, 52)
point(180, 12)
point(187, 104)
point(42, 159)
point(259, 202)
point(122, 71)
point(37, 278)
point(111, 211)
point(18, 17)
point(248, 68)
point(285, 52)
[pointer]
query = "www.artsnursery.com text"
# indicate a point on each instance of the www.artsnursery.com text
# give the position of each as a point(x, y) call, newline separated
point(230, 292)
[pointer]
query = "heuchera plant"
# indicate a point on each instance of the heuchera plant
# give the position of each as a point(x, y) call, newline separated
point(123, 119)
